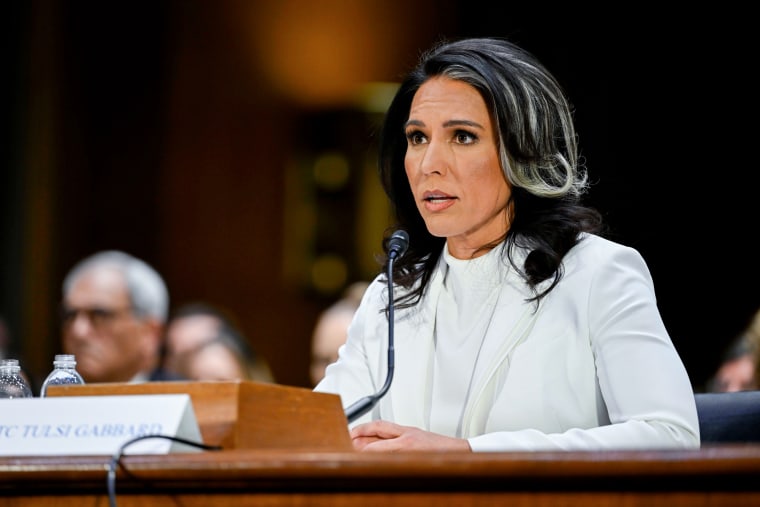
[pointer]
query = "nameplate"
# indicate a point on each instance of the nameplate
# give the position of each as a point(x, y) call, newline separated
point(94, 425)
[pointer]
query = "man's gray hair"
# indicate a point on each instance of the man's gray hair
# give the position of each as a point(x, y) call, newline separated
point(148, 294)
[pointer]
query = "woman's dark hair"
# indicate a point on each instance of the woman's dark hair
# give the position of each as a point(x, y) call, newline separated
point(538, 152)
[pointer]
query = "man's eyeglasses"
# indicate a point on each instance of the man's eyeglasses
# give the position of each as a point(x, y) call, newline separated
point(96, 315)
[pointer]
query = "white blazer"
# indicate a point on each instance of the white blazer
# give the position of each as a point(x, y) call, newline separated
point(593, 368)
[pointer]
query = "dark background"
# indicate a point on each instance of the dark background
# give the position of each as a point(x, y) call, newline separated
point(186, 133)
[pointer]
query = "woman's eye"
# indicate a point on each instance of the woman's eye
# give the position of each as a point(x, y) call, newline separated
point(415, 137)
point(463, 137)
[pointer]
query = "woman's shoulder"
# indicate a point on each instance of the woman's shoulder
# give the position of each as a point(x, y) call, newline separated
point(596, 252)
point(603, 258)
point(593, 244)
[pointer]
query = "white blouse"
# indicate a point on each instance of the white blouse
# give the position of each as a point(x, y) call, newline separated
point(464, 311)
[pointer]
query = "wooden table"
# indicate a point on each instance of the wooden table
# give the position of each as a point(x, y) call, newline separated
point(712, 476)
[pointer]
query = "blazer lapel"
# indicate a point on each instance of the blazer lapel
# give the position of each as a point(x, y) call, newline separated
point(511, 323)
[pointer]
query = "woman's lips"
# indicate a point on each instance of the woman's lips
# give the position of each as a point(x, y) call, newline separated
point(437, 201)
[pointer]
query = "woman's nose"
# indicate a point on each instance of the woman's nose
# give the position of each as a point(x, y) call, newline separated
point(435, 159)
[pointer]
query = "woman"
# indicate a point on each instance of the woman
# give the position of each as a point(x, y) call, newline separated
point(517, 326)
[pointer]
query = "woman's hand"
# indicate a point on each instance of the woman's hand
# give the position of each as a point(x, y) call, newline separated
point(387, 436)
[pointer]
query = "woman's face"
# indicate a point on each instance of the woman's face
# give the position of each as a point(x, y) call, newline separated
point(452, 163)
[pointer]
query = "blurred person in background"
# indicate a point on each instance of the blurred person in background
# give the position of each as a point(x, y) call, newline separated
point(738, 370)
point(203, 342)
point(331, 330)
point(113, 314)
point(220, 358)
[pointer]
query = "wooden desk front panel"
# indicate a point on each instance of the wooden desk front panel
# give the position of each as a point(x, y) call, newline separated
point(721, 476)
point(400, 499)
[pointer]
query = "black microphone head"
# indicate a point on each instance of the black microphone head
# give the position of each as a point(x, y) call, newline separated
point(398, 244)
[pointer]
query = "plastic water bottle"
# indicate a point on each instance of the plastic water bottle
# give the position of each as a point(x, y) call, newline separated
point(64, 373)
point(12, 383)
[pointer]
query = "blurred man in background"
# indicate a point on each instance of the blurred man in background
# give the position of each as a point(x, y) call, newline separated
point(113, 314)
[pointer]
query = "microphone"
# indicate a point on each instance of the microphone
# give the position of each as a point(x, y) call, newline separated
point(398, 244)
point(397, 247)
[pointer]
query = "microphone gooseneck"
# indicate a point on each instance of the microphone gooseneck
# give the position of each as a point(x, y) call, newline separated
point(398, 244)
